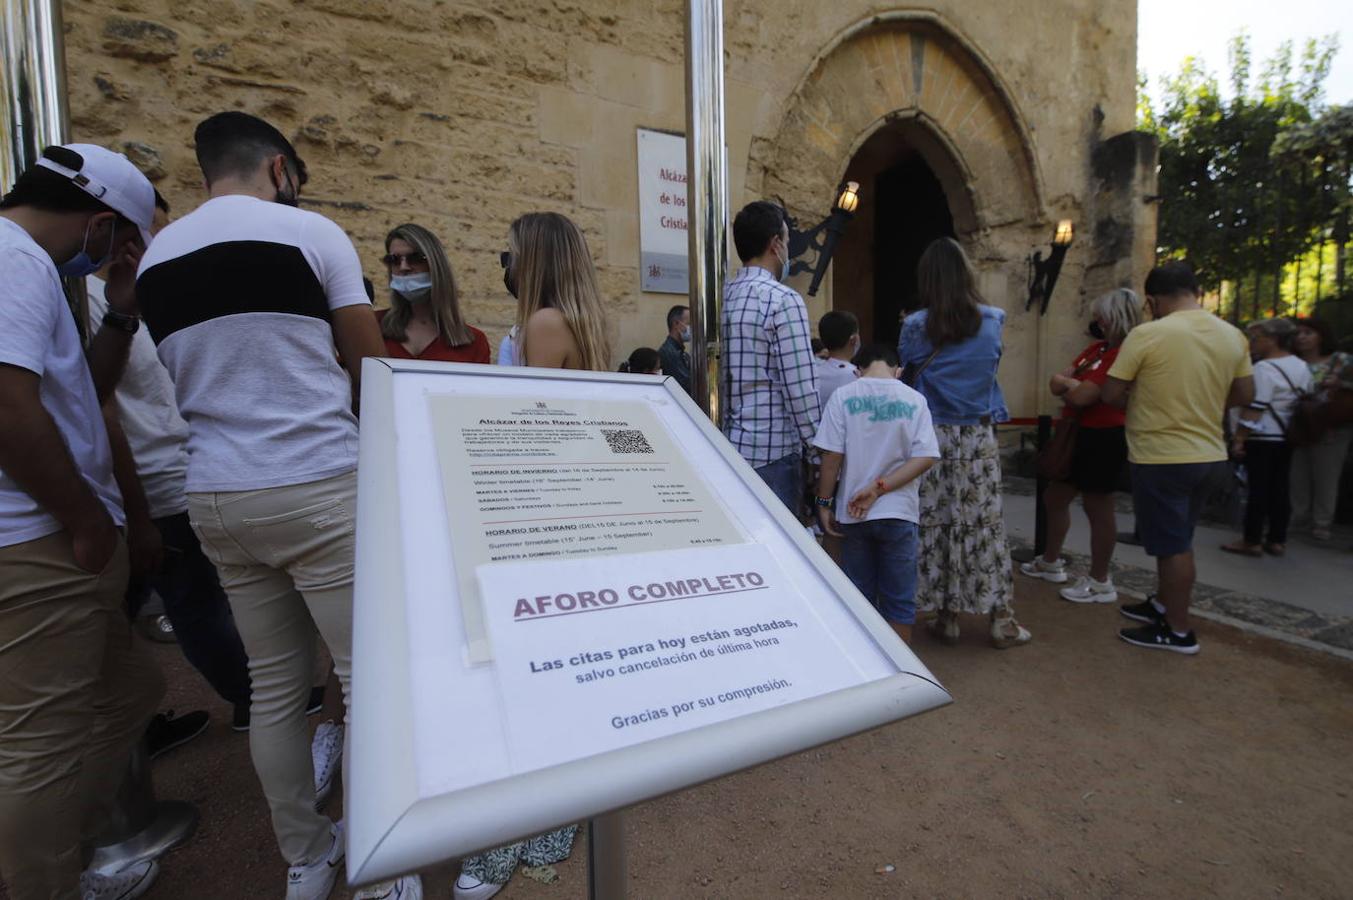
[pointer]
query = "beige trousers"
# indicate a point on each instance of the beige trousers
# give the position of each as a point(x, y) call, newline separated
point(1315, 478)
point(76, 692)
point(285, 558)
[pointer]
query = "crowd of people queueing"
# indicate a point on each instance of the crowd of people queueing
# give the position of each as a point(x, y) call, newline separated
point(198, 434)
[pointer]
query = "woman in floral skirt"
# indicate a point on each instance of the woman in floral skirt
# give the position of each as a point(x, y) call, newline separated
point(951, 349)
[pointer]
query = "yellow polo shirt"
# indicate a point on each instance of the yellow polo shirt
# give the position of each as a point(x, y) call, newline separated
point(1181, 368)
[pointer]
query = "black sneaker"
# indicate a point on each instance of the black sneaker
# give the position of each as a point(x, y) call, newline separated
point(167, 731)
point(1143, 612)
point(1160, 637)
point(315, 705)
point(240, 720)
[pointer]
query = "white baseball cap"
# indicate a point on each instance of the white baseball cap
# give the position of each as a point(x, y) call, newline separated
point(108, 177)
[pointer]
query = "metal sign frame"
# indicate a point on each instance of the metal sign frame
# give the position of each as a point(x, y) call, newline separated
point(393, 830)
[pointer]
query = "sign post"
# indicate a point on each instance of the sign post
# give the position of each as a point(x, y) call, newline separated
point(572, 595)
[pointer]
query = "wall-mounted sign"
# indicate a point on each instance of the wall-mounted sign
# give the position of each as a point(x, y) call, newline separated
point(573, 595)
point(662, 212)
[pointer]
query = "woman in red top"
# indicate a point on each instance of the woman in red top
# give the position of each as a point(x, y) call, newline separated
point(1098, 458)
point(424, 320)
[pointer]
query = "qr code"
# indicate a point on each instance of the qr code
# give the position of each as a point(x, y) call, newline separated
point(626, 440)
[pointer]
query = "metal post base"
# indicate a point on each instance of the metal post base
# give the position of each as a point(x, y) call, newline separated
point(607, 868)
point(174, 823)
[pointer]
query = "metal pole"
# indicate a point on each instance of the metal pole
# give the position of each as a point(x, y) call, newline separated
point(607, 868)
point(33, 78)
point(1040, 486)
point(707, 196)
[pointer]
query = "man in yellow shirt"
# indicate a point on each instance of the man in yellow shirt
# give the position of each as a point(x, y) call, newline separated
point(1183, 371)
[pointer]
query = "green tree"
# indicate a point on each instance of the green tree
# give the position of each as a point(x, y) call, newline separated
point(1240, 199)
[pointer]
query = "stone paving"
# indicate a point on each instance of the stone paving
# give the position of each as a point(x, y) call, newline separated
point(1322, 628)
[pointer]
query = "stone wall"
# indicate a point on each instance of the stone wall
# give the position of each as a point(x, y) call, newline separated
point(463, 115)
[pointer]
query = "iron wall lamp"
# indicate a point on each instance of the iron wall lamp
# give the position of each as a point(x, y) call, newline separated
point(1043, 272)
point(824, 236)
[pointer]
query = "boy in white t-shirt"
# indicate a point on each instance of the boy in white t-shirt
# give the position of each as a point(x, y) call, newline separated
point(876, 439)
point(840, 333)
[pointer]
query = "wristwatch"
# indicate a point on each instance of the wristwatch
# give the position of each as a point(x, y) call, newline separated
point(824, 502)
point(121, 321)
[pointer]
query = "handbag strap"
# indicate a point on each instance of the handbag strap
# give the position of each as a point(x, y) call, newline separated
point(915, 374)
point(1300, 395)
point(1076, 411)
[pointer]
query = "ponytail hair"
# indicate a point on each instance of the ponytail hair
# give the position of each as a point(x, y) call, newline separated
point(642, 361)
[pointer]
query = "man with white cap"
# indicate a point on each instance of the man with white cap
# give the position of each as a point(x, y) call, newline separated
point(75, 690)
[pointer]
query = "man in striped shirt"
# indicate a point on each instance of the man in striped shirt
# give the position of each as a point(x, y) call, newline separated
point(769, 378)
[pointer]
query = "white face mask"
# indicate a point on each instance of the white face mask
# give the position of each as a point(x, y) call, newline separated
point(415, 288)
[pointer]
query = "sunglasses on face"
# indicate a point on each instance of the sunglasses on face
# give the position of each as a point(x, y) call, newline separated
point(505, 258)
point(394, 259)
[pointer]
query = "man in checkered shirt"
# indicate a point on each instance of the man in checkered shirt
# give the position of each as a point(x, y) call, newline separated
point(770, 381)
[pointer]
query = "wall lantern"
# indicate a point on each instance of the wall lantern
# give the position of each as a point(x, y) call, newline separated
point(1043, 272)
point(824, 236)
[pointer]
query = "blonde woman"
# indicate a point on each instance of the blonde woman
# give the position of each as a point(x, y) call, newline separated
point(1099, 457)
point(560, 325)
point(424, 319)
point(560, 322)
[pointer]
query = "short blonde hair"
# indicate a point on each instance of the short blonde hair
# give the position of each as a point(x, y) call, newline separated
point(1120, 310)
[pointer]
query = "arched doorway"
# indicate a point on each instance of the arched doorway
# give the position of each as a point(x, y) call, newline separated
point(905, 205)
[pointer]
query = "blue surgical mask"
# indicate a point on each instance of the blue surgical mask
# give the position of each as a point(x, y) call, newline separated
point(415, 288)
point(80, 265)
point(686, 335)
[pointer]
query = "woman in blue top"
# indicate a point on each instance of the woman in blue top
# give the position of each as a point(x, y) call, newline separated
point(952, 349)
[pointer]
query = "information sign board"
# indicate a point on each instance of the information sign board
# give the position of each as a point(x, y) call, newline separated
point(572, 596)
point(662, 212)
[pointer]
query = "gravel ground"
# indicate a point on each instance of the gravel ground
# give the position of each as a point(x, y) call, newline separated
point(1076, 766)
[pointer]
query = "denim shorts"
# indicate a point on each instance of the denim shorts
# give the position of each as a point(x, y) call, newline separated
point(1168, 499)
point(879, 557)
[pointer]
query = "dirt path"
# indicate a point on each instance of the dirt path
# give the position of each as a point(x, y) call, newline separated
point(1077, 766)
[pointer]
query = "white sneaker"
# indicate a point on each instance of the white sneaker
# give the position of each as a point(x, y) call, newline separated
point(1040, 568)
point(132, 881)
point(470, 888)
point(410, 887)
point(1087, 590)
point(314, 881)
point(326, 751)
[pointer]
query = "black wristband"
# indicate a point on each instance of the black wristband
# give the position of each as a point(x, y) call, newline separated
point(121, 321)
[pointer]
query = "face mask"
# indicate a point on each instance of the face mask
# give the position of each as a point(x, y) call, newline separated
point(509, 282)
point(784, 267)
point(284, 199)
point(1096, 330)
point(415, 288)
point(80, 265)
point(686, 335)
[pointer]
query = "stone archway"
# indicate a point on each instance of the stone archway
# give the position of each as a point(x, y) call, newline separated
point(908, 67)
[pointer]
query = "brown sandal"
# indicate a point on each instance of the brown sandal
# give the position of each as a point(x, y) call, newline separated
point(1242, 549)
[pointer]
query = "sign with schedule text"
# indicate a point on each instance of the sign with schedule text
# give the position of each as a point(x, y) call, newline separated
point(572, 595)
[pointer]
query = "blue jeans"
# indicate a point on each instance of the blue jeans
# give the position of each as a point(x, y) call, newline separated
point(197, 608)
point(785, 478)
point(879, 557)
